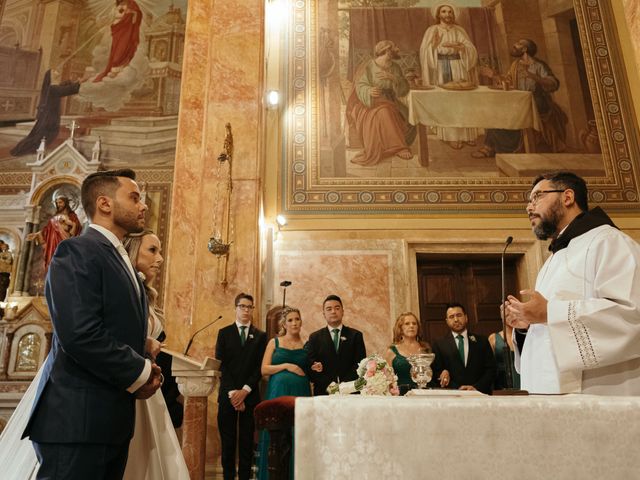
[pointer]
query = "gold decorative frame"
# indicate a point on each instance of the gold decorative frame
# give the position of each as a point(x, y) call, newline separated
point(305, 192)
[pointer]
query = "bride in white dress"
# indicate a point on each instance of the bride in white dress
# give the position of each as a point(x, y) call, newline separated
point(154, 451)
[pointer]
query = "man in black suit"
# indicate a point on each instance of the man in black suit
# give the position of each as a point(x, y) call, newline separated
point(334, 350)
point(463, 360)
point(240, 348)
point(84, 409)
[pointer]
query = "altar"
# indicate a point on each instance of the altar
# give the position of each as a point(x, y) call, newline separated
point(534, 437)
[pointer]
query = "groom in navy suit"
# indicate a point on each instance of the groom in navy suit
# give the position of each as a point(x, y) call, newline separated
point(240, 348)
point(334, 350)
point(83, 414)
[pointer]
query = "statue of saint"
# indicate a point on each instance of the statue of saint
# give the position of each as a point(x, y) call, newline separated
point(62, 225)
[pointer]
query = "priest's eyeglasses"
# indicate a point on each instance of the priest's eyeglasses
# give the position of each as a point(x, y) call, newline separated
point(535, 198)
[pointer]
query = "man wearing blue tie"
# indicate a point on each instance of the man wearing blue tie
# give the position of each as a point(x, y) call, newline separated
point(84, 410)
point(463, 360)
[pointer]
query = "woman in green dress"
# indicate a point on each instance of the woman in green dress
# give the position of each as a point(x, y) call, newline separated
point(286, 362)
point(406, 342)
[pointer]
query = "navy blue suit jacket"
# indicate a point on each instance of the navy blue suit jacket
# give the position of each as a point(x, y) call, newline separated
point(99, 330)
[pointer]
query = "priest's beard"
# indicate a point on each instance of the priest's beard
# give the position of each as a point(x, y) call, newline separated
point(549, 222)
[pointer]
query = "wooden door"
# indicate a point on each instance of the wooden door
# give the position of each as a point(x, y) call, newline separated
point(474, 282)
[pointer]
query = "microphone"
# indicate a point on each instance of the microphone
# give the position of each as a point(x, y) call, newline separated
point(506, 351)
point(186, 350)
point(284, 284)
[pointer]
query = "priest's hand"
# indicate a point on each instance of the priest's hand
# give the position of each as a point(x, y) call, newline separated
point(522, 314)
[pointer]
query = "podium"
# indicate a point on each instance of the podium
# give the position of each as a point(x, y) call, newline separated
point(196, 381)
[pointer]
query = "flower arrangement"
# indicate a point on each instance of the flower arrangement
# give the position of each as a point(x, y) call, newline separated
point(375, 377)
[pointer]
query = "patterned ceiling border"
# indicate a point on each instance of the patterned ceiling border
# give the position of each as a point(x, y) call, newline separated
point(304, 192)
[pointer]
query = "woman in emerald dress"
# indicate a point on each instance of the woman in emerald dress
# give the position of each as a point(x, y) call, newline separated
point(286, 363)
point(406, 342)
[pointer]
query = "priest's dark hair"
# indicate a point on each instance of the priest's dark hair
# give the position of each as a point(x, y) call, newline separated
point(335, 298)
point(568, 180)
point(101, 183)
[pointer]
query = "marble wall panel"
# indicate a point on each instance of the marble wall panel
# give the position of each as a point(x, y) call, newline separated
point(369, 276)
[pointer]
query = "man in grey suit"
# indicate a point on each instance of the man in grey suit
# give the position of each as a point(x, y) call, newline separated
point(84, 409)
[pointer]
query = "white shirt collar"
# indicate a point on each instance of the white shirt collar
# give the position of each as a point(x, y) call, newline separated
point(238, 324)
point(332, 328)
point(464, 334)
point(115, 241)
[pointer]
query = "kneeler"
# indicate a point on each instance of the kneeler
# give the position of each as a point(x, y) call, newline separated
point(277, 417)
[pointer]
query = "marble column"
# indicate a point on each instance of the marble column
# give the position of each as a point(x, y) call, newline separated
point(222, 82)
point(195, 387)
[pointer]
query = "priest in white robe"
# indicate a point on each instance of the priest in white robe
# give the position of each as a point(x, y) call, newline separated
point(448, 55)
point(581, 325)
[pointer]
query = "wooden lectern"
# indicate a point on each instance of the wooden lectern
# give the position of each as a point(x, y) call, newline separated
point(196, 381)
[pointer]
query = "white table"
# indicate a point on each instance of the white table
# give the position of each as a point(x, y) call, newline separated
point(482, 107)
point(535, 437)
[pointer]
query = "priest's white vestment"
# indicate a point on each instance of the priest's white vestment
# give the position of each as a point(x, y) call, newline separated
point(591, 342)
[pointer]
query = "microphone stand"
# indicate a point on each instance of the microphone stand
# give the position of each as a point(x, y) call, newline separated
point(284, 286)
point(506, 351)
point(186, 350)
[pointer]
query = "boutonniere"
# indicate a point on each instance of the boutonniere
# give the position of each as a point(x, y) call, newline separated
point(343, 339)
point(142, 277)
point(250, 336)
point(472, 338)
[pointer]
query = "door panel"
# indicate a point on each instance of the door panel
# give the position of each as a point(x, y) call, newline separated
point(473, 282)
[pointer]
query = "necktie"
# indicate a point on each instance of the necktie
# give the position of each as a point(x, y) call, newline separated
point(127, 261)
point(243, 335)
point(460, 340)
point(336, 338)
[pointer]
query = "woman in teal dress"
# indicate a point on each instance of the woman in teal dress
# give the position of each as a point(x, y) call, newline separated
point(406, 342)
point(286, 362)
point(496, 340)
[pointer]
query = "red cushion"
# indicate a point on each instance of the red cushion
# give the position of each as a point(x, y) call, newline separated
point(276, 413)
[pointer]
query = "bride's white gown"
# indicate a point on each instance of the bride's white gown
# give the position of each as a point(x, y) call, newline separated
point(154, 452)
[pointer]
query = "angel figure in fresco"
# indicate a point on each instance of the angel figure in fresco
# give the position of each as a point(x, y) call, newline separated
point(125, 37)
point(376, 117)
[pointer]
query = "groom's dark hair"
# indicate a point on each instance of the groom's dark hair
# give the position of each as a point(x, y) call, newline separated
point(101, 183)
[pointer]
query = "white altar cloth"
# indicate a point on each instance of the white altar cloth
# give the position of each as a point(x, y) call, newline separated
point(535, 437)
point(482, 108)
